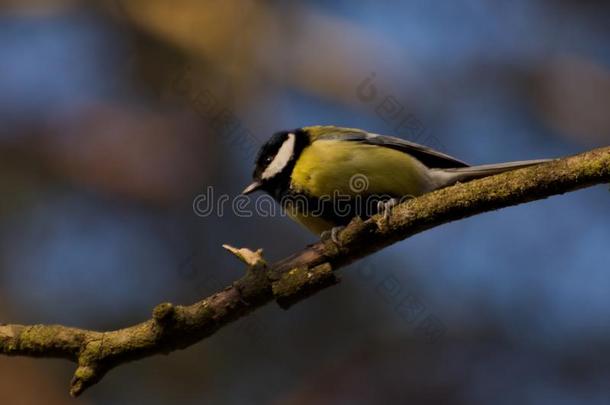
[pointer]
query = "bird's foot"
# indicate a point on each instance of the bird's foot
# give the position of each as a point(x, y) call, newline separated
point(333, 235)
point(384, 207)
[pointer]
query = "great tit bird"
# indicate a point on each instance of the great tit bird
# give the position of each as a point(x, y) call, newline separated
point(323, 176)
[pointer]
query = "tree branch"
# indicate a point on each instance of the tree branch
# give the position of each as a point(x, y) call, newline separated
point(298, 276)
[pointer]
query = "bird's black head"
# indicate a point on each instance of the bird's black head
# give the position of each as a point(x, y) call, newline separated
point(276, 159)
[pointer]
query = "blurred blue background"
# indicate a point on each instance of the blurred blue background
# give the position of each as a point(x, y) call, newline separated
point(117, 114)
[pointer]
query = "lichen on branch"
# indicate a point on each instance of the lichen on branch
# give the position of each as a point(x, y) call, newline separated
point(296, 277)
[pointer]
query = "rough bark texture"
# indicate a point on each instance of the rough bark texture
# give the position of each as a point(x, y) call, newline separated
point(174, 327)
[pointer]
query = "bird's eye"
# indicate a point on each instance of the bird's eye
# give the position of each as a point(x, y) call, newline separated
point(269, 159)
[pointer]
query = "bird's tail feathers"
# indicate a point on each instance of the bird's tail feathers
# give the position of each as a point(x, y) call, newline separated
point(448, 177)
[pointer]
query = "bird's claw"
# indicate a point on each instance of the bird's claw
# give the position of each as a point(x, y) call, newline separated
point(333, 235)
point(386, 206)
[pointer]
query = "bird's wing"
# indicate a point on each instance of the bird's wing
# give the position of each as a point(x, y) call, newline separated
point(426, 155)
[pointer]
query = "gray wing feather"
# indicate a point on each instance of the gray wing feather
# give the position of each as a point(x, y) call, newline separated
point(447, 177)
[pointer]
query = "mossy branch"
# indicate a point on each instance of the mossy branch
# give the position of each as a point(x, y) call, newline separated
point(174, 327)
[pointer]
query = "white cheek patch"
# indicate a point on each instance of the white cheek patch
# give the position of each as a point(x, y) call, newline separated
point(281, 159)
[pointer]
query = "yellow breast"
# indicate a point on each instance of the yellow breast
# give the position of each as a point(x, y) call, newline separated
point(333, 166)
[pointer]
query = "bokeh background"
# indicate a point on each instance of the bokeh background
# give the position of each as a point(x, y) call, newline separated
point(115, 115)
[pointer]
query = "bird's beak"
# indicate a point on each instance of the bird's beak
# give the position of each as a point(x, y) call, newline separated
point(255, 185)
